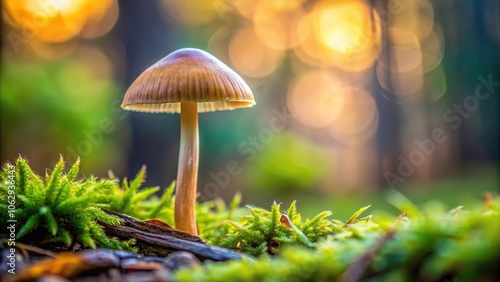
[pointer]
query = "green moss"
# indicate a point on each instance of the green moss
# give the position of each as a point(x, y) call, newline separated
point(143, 203)
point(428, 242)
point(284, 166)
point(61, 208)
point(57, 207)
point(265, 231)
point(432, 243)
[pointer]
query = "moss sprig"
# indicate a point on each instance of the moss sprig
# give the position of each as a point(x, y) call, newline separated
point(143, 203)
point(59, 205)
point(435, 244)
point(265, 231)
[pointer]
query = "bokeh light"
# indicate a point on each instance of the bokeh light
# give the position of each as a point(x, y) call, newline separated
point(250, 56)
point(361, 79)
point(416, 17)
point(358, 119)
point(51, 50)
point(59, 21)
point(404, 86)
point(103, 15)
point(316, 98)
point(432, 50)
point(275, 23)
point(194, 12)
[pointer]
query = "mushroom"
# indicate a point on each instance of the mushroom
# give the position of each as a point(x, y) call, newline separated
point(187, 81)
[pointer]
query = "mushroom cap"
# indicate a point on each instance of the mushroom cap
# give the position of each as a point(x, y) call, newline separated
point(188, 75)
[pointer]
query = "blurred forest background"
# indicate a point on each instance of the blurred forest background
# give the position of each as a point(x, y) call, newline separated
point(353, 97)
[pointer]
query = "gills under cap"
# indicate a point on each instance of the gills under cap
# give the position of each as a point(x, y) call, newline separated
point(188, 75)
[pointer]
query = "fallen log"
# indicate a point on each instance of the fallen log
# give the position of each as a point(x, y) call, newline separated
point(160, 241)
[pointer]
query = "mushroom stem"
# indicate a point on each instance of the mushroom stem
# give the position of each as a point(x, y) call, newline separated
point(187, 172)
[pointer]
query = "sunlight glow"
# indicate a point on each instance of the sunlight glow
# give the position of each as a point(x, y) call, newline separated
point(316, 98)
point(250, 57)
point(57, 21)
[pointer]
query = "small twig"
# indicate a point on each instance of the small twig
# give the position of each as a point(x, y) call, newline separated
point(35, 250)
point(27, 249)
point(358, 268)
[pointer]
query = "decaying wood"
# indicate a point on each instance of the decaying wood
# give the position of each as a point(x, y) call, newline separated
point(160, 241)
point(102, 265)
point(161, 250)
point(154, 228)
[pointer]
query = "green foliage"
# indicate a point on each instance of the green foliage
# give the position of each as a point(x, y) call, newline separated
point(284, 166)
point(265, 231)
point(212, 218)
point(59, 205)
point(68, 209)
point(142, 203)
point(61, 208)
point(58, 103)
point(425, 243)
point(439, 244)
point(259, 232)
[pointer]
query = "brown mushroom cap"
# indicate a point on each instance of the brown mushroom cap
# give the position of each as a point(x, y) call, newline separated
point(188, 75)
